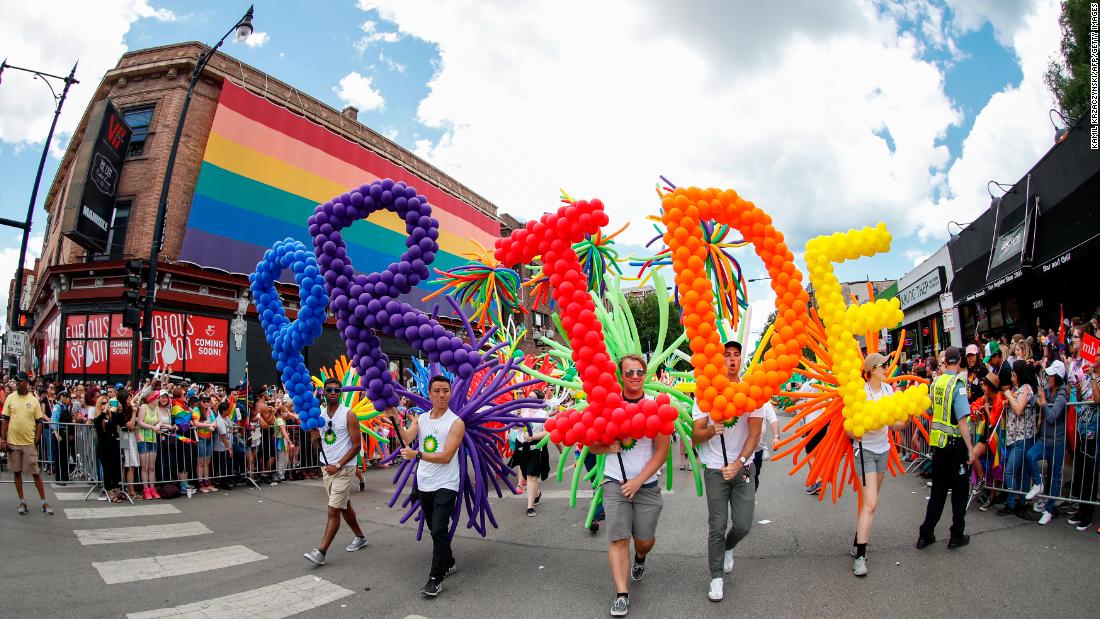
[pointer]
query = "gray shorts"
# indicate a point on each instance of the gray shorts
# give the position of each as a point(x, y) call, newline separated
point(872, 462)
point(637, 516)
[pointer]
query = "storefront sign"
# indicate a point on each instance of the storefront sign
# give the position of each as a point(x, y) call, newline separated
point(190, 343)
point(86, 218)
point(1090, 346)
point(947, 308)
point(1057, 262)
point(182, 343)
point(926, 287)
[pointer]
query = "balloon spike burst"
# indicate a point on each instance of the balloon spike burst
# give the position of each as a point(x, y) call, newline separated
point(483, 284)
point(834, 462)
point(723, 270)
point(486, 402)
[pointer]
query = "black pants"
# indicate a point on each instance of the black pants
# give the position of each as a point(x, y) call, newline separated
point(948, 473)
point(109, 458)
point(1084, 476)
point(62, 451)
point(758, 463)
point(437, 506)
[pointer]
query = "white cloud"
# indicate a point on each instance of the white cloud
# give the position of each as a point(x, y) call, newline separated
point(257, 39)
point(9, 257)
point(390, 133)
point(789, 104)
point(35, 37)
point(372, 35)
point(356, 89)
point(1010, 133)
point(391, 64)
point(788, 109)
point(1006, 16)
point(141, 8)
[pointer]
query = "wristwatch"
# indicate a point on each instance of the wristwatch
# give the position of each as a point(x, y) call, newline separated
point(743, 460)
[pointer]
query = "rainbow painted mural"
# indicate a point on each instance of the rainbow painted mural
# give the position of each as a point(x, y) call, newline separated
point(266, 168)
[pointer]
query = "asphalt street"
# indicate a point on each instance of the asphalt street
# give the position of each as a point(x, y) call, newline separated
point(794, 563)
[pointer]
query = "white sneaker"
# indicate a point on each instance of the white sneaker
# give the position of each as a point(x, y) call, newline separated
point(859, 566)
point(715, 593)
point(1046, 518)
point(727, 563)
point(1035, 490)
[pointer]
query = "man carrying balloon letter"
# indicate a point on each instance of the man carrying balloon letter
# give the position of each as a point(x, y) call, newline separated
point(339, 446)
point(725, 450)
point(440, 434)
point(632, 500)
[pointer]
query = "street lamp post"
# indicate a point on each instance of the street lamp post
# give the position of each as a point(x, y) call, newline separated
point(25, 225)
point(243, 28)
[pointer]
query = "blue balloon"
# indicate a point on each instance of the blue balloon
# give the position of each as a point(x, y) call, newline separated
point(287, 339)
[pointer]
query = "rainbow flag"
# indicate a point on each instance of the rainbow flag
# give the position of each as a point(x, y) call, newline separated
point(264, 171)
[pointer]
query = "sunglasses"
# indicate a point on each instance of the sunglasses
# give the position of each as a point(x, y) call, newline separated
point(332, 390)
point(634, 373)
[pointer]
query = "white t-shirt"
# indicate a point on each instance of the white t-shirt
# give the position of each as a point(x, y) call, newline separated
point(876, 441)
point(810, 387)
point(635, 455)
point(769, 418)
point(735, 435)
point(433, 435)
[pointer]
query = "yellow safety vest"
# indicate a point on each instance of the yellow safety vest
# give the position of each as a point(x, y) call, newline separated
point(943, 398)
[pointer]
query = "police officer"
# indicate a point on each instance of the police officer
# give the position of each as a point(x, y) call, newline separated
point(952, 451)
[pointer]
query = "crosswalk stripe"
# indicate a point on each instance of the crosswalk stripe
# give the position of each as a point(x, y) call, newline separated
point(149, 568)
point(272, 602)
point(120, 535)
point(122, 511)
point(72, 496)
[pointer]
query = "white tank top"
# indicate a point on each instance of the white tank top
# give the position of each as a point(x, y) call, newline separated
point(334, 437)
point(432, 434)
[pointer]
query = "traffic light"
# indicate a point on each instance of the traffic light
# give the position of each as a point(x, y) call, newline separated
point(131, 315)
point(24, 320)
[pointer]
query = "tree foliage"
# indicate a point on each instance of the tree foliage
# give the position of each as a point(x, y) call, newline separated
point(648, 320)
point(1068, 76)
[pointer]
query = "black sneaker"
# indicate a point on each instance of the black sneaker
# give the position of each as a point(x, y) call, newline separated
point(530, 512)
point(538, 498)
point(362, 485)
point(431, 588)
point(958, 542)
point(620, 606)
point(924, 542)
point(451, 570)
point(594, 527)
point(637, 570)
point(985, 504)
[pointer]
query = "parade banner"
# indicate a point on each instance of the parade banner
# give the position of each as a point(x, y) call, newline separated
point(182, 343)
point(266, 168)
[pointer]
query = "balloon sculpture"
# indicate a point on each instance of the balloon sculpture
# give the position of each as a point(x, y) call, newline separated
point(286, 338)
point(608, 417)
point(723, 399)
point(364, 304)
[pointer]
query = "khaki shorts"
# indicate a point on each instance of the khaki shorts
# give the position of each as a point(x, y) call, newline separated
point(338, 487)
point(636, 516)
point(23, 459)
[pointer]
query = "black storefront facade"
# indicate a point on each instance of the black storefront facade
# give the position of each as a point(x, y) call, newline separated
point(1034, 254)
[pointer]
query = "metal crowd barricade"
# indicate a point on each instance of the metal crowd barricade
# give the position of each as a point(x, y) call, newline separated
point(912, 447)
point(67, 453)
point(1061, 458)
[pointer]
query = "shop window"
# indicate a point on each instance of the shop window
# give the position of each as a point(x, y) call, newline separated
point(116, 234)
point(996, 316)
point(139, 119)
point(1012, 313)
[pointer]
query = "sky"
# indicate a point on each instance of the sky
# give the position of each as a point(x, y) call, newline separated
point(828, 116)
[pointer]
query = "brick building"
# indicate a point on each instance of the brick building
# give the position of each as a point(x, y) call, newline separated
point(203, 296)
